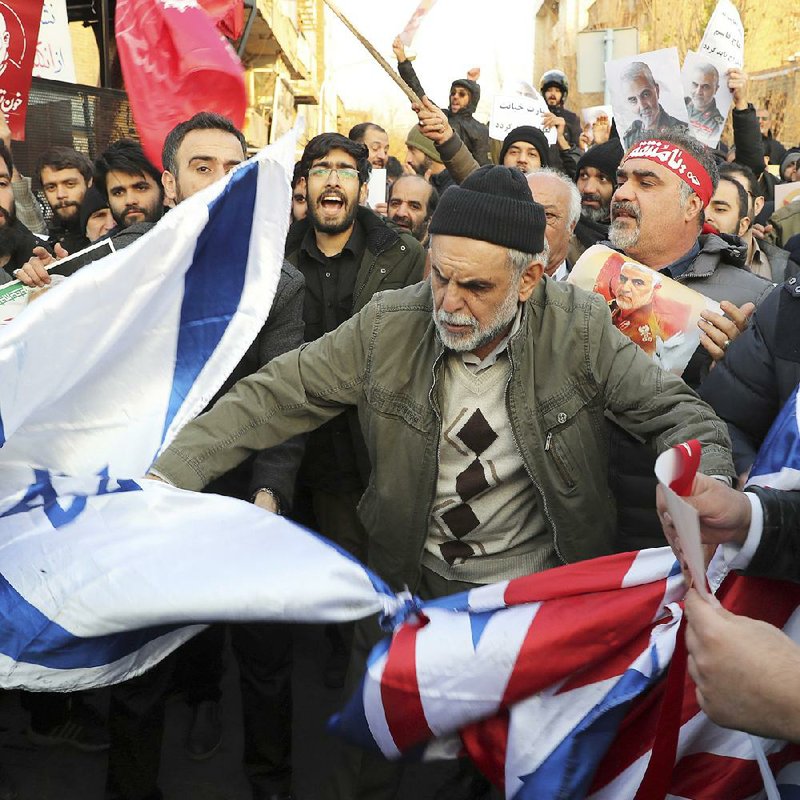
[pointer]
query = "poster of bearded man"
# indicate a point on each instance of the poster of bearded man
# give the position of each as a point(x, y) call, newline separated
point(657, 313)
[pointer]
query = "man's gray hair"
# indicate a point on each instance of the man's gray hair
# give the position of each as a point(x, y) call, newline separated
point(519, 261)
point(707, 68)
point(574, 210)
point(638, 69)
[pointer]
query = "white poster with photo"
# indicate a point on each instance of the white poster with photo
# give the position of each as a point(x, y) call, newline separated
point(707, 96)
point(723, 39)
point(646, 93)
point(657, 313)
point(53, 58)
point(512, 111)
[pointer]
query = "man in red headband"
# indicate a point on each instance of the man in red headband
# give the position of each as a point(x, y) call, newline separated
point(664, 183)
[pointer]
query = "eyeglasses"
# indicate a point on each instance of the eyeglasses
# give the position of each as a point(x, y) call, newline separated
point(344, 173)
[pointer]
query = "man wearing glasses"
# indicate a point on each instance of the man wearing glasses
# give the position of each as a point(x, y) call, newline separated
point(347, 253)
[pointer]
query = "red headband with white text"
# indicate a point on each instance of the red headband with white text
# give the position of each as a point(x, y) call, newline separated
point(678, 161)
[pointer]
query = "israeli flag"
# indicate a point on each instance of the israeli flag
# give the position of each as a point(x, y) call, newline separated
point(101, 572)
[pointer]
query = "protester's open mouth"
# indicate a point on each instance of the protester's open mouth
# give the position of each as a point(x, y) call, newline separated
point(589, 200)
point(331, 203)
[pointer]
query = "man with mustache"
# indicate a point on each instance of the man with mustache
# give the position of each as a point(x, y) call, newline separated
point(664, 184)
point(64, 175)
point(412, 201)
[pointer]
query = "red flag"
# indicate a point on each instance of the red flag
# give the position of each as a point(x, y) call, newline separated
point(175, 63)
point(19, 31)
point(228, 16)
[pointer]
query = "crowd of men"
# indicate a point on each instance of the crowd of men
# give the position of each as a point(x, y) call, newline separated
point(465, 415)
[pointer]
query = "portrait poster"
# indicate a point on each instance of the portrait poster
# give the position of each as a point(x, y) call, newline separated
point(707, 96)
point(723, 39)
point(512, 111)
point(19, 31)
point(654, 311)
point(53, 59)
point(647, 94)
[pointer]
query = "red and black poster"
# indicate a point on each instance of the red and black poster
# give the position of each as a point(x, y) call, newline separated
point(19, 32)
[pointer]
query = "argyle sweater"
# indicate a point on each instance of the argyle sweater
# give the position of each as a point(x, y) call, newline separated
point(485, 524)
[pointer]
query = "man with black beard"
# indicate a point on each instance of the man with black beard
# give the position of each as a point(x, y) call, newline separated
point(65, 175)
point(596, 179)
point(16, 241)
point(131, 183)
point(346, 253)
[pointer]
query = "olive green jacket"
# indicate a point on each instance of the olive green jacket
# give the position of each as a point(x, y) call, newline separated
point(570, 369)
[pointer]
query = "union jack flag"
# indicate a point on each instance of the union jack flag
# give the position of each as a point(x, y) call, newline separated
point(554, 683)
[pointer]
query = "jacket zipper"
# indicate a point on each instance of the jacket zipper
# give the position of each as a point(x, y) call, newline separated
point(525, 463)
point(437, 413)
point(558, 461)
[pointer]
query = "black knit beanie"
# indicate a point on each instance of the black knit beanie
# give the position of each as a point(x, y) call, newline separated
point(494, 204)
point(603, 157)
point(93, 201)
point(531, 135)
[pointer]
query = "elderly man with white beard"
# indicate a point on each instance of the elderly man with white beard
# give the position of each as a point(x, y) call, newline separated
point(482, 396)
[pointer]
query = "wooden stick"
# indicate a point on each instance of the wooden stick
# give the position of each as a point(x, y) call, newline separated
point(375, 54)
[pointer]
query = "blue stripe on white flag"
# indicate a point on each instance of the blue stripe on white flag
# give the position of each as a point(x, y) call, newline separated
point(26, 634)
point(214, 282)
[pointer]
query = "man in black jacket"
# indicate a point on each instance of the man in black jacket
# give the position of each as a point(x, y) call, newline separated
point(759, 372)
point(554, 87)
point(596, 180)
point(464, 97)
point(16, 241)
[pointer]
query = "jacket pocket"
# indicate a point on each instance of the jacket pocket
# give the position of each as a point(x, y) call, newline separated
point(566, 422)
point(560, 458)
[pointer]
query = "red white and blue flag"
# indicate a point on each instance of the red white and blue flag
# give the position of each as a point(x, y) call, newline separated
point(552, 683)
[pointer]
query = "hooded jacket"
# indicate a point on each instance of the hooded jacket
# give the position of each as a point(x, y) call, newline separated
point(474, 134)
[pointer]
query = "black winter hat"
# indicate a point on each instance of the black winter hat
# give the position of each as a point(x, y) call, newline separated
point(93, 201)
point(531, 135)
point(605, 157)
point(494, 204)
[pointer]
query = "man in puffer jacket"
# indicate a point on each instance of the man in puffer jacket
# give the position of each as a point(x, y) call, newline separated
point(464, 97)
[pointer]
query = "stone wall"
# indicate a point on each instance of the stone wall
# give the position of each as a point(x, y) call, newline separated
point(772, 42)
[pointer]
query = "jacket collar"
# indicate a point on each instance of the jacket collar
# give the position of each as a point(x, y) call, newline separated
point(380, 236)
